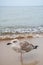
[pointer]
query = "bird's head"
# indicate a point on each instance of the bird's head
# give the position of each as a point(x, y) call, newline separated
point(13, 41)
point(9, 43)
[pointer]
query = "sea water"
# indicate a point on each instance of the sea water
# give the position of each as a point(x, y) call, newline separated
point(21, 18)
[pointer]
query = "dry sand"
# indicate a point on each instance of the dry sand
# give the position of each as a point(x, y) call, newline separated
point(10, 57)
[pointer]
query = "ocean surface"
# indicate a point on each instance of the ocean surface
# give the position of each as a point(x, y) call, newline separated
point(21, 18)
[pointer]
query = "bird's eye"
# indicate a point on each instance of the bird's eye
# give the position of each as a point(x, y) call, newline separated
point(14, 41)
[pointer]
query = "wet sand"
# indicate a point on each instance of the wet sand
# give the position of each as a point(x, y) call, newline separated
point(10, 57)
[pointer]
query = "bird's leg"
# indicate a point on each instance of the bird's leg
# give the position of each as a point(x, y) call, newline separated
point(21, 59)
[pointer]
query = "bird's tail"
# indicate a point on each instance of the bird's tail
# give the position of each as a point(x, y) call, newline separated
point(35, 47)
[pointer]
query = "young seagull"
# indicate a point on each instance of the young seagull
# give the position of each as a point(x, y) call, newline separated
point(23, 46)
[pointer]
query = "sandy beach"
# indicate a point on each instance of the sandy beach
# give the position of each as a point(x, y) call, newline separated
point(10, 57)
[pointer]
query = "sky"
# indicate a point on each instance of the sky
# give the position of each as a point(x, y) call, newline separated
point(21, 2)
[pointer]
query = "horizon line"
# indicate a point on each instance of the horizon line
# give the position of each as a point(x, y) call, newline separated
point(21, 5)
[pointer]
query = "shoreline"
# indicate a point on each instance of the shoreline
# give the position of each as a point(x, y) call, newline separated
point(20, 36)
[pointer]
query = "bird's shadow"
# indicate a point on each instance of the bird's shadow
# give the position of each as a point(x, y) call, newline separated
point(31, 63)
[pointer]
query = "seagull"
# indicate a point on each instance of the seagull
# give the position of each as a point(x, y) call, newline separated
point(21, 46)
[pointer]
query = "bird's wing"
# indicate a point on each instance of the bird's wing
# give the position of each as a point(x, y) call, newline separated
point(24, 44)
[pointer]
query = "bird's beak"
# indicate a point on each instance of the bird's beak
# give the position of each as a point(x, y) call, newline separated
point(9, 43)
